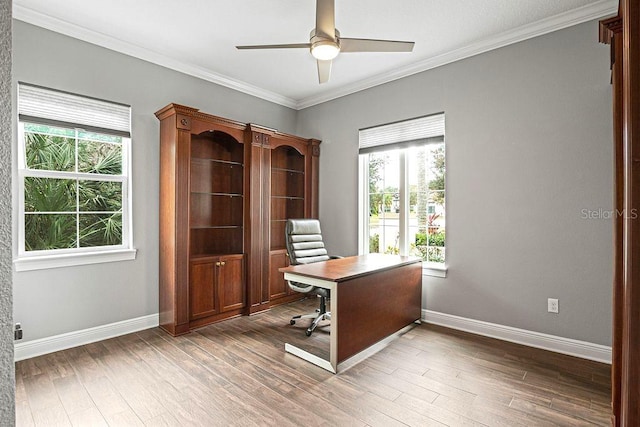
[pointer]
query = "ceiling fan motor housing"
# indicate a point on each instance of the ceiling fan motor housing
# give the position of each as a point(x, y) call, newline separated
point(324, 47)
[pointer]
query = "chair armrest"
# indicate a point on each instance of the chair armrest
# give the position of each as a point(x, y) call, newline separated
point(300, 287)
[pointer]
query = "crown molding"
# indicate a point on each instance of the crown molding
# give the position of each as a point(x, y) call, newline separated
point(586, 13)
point(567, 19)
point(33, 17)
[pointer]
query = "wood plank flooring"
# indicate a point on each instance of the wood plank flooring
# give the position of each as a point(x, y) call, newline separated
point(236, 373)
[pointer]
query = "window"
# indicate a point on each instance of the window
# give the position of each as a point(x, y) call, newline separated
point(402, 190)
point(73, 179)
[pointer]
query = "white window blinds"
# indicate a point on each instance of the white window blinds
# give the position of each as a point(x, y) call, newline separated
point(423, 130)
point(52, 107)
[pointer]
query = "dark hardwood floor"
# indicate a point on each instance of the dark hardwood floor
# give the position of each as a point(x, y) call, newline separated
point(237, 373)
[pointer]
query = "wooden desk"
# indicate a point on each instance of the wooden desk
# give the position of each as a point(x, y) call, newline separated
point(372, 297)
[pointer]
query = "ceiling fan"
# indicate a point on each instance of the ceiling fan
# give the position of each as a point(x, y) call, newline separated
point(325, 42)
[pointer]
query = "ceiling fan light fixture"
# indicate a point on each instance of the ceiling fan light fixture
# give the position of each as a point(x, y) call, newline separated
point(325, 50)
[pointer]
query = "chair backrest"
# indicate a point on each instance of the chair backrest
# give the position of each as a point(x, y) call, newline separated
point(304, 241)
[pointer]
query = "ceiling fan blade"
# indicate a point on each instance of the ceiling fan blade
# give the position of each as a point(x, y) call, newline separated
point(277, 46)
point(324, 70)
point(325, 19)
point(370, 45)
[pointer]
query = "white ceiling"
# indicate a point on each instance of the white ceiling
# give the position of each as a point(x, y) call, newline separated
point(198, 37)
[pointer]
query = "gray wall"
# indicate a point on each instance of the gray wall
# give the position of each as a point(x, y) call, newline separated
point(55, 301)
point(529, 146)
point(7, 388)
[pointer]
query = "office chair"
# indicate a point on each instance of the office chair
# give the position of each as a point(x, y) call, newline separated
point(304, 246)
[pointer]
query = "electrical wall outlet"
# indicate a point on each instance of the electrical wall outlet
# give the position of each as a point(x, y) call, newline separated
point(552, 305)
point(17, 334)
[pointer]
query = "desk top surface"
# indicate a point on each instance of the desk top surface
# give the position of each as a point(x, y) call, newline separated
point(339, 270)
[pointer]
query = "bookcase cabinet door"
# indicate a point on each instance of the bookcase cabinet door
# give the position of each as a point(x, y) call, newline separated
point(203, 295)
point(231, 283)
point(278, 287)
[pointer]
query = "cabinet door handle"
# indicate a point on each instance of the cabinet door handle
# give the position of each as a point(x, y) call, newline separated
point(218, 264)
point(222, 263)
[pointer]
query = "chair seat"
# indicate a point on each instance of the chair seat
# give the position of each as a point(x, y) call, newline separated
point(304, 289)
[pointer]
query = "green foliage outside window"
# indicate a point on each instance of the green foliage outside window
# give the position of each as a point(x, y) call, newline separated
point(434, 239)
point(430, 246)
point(71, 212)
point(374, 244)
point(436, 185)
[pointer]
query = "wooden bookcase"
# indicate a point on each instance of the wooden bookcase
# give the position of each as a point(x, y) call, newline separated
point(293, 194)
point(284, 183)
point(287, 201)
point(216, 227)
point(202, 219)
point(226, 191)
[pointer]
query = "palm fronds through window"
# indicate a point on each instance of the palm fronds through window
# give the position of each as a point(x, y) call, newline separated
point(73, 188)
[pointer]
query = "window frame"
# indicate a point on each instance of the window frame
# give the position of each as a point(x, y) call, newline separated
point(52, 258)
point(429, 268)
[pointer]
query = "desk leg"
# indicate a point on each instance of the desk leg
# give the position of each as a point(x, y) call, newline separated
point(333, 338)
point(330, 365)
point(318, 361)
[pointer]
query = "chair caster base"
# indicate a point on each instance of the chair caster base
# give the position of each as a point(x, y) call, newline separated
point(319, 315)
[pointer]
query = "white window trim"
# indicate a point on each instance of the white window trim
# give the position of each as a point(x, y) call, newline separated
point(363, 205)
point(42, 262)
point(430, 126)
point(39, 260)
point(434, 269)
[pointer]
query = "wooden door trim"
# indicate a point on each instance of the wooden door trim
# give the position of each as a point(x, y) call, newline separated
point(630, 380)
point(623, 32)
point(611, 33)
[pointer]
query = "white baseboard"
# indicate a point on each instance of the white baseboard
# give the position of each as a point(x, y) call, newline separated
point(582, 349)
point(28, 349)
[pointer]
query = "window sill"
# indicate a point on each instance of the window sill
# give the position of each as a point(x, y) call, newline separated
point(434, 270)
point(71, 260)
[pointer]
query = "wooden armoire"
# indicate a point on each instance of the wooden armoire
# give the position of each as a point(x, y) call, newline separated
point(226, 191)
